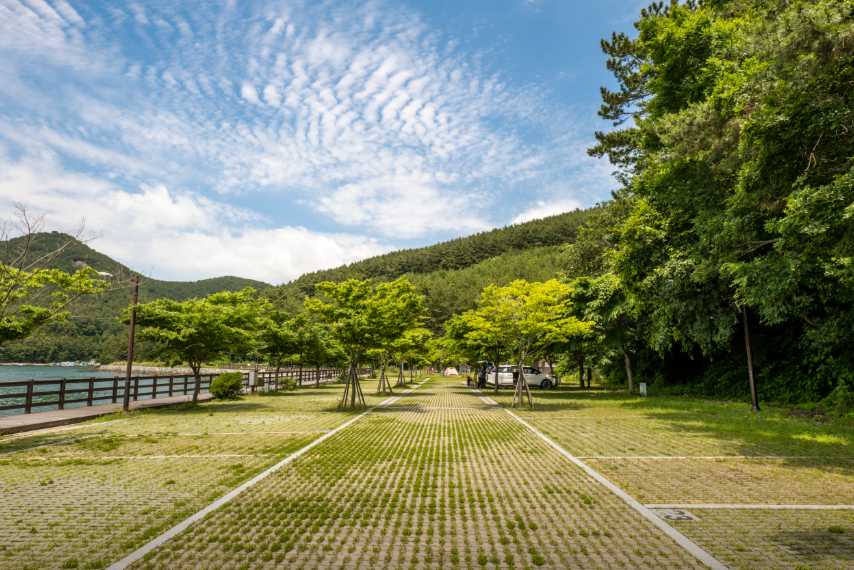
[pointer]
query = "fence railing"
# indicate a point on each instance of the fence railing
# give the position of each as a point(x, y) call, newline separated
point(28, 396)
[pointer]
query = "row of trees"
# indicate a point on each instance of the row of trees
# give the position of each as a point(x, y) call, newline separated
point(520, 322)
point(347, 323)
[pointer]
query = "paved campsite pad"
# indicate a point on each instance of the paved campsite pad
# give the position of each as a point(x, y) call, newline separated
point(89, 494)
point(751, 539)
point(683, 453)
point(439, 479)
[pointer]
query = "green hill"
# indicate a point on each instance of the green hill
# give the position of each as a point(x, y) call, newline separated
point(454, 254)
point(453, 273)
point(94, 331)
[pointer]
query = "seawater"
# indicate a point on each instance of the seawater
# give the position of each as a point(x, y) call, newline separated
point(17, 373)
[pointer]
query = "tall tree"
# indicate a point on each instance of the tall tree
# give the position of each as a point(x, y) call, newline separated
point(32, 293)
point(528, 319)
point(276, 338)
point(738, 164)
point(197, 331)
point(363, 316)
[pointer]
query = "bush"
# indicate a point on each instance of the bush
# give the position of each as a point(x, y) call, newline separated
point(227, 386)
point(840, 402)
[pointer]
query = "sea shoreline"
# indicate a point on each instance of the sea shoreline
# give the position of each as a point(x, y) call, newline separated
point(147, 369)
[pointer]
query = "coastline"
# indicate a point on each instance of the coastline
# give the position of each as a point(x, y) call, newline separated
point(147, 369)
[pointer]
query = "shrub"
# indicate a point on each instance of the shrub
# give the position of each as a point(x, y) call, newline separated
point(840, 401)
point(227, 386)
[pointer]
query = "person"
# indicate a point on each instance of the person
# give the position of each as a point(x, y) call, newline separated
point(481, 377)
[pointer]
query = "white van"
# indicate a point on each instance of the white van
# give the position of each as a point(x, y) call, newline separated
point(533, 376)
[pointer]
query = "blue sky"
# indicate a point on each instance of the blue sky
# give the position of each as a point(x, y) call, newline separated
point(267, 139)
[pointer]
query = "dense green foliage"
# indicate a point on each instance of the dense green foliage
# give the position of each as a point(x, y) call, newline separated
point(366, 319)
point(519, 322)
point(31, 298)
point(201, 330)
point(227, 386)
point(737, 153)
point(95, 331)
point(447, 256)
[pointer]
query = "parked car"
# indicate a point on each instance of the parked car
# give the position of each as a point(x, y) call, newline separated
point(507, 376)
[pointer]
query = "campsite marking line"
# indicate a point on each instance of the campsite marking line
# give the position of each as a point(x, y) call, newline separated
point(140, 552)
point(712, 457)
point(754, 506)
point(293, 432)
point(690, 546)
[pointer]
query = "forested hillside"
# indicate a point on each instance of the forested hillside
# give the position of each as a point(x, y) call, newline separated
point(453, 254)
point(94, 331)
point(453, 273)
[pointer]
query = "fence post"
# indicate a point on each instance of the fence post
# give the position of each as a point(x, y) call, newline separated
point(135, 389)
point(154, 389)
point(28, 406)
point(115, 389)
point(62, 394)
point(171, 383)
point(91, 392)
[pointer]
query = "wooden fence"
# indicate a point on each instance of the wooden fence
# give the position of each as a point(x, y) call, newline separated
point(40, 395)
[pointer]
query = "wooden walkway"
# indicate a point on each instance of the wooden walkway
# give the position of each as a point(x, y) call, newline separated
point(41, 420)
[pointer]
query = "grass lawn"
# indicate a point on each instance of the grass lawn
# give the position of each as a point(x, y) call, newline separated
point(440, 478)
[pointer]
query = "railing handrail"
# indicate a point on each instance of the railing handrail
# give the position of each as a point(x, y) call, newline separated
point(98, 389)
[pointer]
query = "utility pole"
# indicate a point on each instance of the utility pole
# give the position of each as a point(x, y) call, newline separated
point(754, 396)
point(131, 339)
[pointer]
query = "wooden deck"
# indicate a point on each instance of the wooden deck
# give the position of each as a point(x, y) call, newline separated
point(41, 420)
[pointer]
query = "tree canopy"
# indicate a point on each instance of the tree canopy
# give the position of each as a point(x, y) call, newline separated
point(196, 331)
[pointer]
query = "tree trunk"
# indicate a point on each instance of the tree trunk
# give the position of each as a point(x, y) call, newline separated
point(198, 381)
point(299, 374)
point(589, 377)
point(627, 362)
point(353, 395)
point(384, 386)
point(317, 376)
point(754, 395)
point(497, 356)
point(521, 390)
point(581, 371)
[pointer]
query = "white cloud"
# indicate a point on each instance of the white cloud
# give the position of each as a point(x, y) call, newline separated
point(404, 206)
point(248, 92)
point(545, 208)
point(173, 235)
